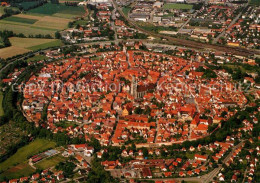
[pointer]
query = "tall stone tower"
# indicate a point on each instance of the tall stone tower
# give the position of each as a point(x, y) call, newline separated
point(133, 90)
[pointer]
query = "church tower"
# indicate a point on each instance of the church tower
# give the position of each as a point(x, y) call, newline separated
point(133, 90)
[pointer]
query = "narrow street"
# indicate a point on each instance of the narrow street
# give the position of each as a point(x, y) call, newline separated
point(231, 23)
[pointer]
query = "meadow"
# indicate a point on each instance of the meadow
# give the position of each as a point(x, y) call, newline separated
point(177, 6)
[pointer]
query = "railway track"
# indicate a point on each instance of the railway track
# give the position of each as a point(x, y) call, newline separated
point(188, 43)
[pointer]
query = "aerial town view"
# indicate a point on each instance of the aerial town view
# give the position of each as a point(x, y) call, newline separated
point(131, 91)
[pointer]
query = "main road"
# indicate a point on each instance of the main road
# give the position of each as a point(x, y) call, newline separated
point(188, 43)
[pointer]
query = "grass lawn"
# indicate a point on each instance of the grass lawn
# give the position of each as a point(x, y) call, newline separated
point(21, 20)
point(23, 153)
point(36, 58)
point(126, 10)
point(177, 6)
point(50, 162)
point(1, 107)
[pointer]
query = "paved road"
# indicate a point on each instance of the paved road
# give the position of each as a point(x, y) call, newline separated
point(231, 23)
point(183, 25)
point(189, 43)
point(209, 177)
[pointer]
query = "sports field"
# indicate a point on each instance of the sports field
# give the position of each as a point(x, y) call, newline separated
point(50, 162)
point(23, 153)
point(177, 6)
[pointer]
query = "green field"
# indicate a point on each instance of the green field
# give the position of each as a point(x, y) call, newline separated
point(1, 107)
point(45, 45)
point(255, 2)
point(2, 9)
point(26, 5)
point(46, 19)
point(50, 162)
point(23, 153)
point(36, 58)
point(20, 170)
point(169, 6)
point(26, 30)
point(126, 10)
point(51, 9)
point(21, 20)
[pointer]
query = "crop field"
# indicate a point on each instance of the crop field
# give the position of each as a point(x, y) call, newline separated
point(58, 9)
point(46, 45)
point(12, 51)
point(21, 20)
point(23, 153)
point(46, 19)
point(24, 45)
point(24, 28)
point(26, 5)
point(50, 162)
point(29, 42)
point(177, 6)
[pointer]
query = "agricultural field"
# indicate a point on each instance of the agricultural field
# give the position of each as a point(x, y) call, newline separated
point(58, 10)
point(46, 19)
point(20, 20)
point(26, 5)
point(169, 6)
point(50, 162)
point(24, 45)
point(24, 28)
point(12, 51)
point(17, 164)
